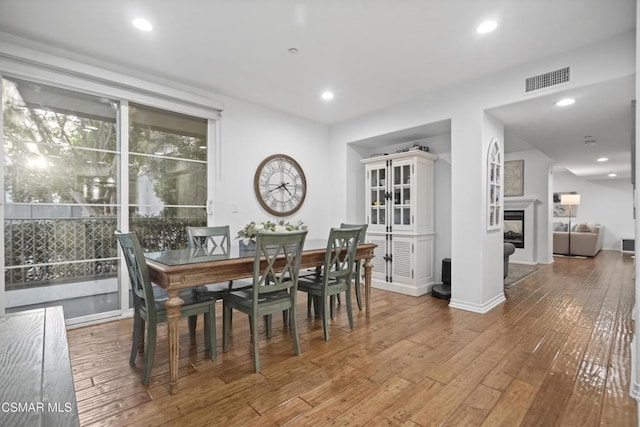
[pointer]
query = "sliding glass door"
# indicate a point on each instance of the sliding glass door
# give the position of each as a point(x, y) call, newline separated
point(70, 180)
point(167, 176)
point(61, 179)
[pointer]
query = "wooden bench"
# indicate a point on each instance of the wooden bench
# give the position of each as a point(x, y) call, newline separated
point(35, 371)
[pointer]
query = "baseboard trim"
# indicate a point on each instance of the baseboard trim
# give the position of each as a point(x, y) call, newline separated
point(478, 308)
point(634, 389)
point(523, 262)
point(571, 256)
point(401, 288)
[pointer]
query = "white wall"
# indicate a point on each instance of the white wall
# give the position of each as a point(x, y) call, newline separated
point(249, 134)
point(608, 202)
point(493, 263)
point(537, 167)
point(464, 106)
point(441, 146)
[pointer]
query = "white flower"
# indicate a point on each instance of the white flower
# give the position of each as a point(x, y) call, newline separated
point(251, 230)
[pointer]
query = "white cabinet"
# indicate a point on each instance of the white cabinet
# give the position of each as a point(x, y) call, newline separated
point(400, 213)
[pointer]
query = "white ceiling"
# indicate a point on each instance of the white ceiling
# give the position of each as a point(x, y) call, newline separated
point(602, 113)
point(371, 53)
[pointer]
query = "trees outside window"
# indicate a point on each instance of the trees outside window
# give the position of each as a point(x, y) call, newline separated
point(62, 178)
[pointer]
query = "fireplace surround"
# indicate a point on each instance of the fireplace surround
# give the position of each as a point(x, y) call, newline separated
point(529, 254)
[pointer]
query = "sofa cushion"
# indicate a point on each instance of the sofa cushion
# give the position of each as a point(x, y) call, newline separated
point(561, 227)
point(583, 228)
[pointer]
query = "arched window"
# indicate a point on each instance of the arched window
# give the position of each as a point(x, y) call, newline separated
point(494, 186)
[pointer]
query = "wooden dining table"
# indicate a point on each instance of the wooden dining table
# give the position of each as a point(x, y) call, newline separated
point(178, 269)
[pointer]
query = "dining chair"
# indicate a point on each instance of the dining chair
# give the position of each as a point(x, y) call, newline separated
point(274, 287)
point(213, 241)
point(149, 310)
point(335, 276)
point(357, 270)
point(358, 263)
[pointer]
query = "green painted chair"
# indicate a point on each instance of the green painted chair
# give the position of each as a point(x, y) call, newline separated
point(358, 263)
point(335, 276)
point(274, 287)
point(149, 310)
point(213, 241)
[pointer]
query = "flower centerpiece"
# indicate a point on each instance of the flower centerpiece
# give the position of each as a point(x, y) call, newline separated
point(248, 233)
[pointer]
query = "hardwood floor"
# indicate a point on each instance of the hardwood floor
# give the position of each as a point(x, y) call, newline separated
point(556, 353)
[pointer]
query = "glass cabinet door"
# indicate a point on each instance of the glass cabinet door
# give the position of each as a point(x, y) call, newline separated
point(401, 194)
point(377, 195)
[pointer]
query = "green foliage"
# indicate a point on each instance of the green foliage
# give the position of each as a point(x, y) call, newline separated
point(251, 230)
point(161, 233)
point(35, 243)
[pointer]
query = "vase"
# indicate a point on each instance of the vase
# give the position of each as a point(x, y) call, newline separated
point(247, 249)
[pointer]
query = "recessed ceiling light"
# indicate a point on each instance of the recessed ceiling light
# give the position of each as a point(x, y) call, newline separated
point(142, 24)
point(564, 102)
point(602, 159)
point(327, 95)
point(611, 175)
point(487, 27)
point(293, 50)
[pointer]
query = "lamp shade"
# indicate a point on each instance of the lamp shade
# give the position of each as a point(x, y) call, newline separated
point(570, 199)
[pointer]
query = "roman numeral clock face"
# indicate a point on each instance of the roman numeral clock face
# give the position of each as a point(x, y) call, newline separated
point(280, 185)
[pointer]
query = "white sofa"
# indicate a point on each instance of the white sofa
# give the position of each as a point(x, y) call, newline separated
point(583, 242)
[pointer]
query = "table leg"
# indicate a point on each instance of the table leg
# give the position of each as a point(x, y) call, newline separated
point(368, 265)
point(173, 305)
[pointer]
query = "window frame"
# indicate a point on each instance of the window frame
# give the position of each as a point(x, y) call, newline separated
point(38, 67)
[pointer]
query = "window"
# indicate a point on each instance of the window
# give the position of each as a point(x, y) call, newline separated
point(494, 186)
point(167, 176)
point(63, 179)
point(61, 198)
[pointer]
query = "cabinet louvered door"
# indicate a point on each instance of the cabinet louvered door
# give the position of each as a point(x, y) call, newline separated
point(402, 256)
point(379, 270)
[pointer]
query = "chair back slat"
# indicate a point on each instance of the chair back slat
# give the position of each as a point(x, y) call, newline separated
point(340, 255)
point(363, 230)
point(213, 240)
point(138, 272)
point(277, 261)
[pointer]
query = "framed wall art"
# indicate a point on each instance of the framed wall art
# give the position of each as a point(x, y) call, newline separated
point(514, 178)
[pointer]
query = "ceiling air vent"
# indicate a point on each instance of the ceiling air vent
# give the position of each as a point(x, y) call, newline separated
point(552, 78)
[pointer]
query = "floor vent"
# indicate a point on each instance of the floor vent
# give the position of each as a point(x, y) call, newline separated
point(552, 78)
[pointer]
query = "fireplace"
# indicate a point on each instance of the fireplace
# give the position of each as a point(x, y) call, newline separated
point(514, 227)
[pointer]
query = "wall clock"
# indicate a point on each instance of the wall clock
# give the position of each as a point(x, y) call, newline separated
point(280, 185)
